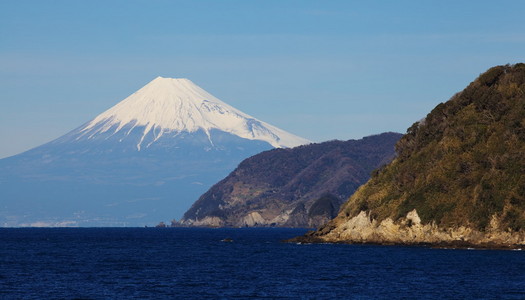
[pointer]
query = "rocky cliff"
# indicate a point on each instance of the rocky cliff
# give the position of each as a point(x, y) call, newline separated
point(298, 187)
point(458, 179)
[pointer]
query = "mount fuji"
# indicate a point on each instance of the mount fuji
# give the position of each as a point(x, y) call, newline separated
point(142, 161)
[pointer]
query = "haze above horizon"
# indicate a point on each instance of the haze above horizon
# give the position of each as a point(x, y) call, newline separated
point(320, 70)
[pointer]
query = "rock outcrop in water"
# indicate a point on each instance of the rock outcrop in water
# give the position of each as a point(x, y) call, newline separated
point(458, 179)
point(298, 187)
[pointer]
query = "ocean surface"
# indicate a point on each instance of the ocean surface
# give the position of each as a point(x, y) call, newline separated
point(184, 263)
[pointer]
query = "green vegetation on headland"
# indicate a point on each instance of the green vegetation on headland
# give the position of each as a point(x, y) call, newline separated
point(459, 174)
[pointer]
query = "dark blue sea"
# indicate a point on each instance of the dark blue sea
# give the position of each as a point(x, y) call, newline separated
point(183, 263)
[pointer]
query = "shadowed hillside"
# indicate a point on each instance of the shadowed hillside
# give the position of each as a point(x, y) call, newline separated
point(298, 187)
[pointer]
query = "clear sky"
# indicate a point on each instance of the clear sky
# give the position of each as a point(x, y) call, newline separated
point(319, 69)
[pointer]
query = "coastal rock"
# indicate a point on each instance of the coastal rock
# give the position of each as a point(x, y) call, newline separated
point(209, 222)
point(409, 231)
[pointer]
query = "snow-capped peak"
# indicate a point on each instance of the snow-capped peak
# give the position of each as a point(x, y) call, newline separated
point(171, 105)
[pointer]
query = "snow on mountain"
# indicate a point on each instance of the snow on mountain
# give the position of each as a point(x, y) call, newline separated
point(145, 160)
point(169, 106)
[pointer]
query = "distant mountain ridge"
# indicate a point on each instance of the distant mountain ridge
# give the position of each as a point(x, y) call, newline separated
point(298, 187)
point(458, 180)
point(147, 158)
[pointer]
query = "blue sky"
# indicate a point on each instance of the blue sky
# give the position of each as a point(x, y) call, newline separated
point(320, 69)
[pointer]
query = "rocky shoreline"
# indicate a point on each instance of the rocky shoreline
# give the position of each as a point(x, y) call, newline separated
point(409, 231)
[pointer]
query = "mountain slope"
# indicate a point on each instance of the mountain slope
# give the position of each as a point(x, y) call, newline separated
point(459, 177)
point(141, 161)
point(299, 187)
